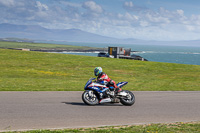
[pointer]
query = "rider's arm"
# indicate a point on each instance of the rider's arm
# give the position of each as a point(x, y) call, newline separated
point(101, 78)
point(102, 82)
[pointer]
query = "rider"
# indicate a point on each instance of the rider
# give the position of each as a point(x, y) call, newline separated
point(103, 78)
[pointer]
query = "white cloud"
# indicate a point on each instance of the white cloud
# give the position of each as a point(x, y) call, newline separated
point(195, 19)
point(190, 27)
point(128, 4)
point(180, 12)
point(7, 3)
point(67, 3)
point(135, 22)
point(41, 6)
point(131, 17)
point(92, 6)
point(144, 23)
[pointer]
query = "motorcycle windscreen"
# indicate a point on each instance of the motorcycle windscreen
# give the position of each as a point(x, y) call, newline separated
point(121, 84)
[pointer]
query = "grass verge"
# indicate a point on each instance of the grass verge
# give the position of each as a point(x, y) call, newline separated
point(38, 46)
point(181, 127)
point(37, 71)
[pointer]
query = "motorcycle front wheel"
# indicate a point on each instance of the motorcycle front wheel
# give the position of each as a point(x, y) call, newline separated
point(90, 98)
point(129, 99)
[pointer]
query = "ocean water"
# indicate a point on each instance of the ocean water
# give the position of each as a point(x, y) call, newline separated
point(157, 53)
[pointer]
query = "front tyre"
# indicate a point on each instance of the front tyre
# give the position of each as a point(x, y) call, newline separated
point(90, 98)
point(129, 99)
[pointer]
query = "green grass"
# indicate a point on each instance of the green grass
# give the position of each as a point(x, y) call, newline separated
point(38, 46)
point(151, 128)
point(37, 71)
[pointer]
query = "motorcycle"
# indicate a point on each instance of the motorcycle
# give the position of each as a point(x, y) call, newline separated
point(97, 93)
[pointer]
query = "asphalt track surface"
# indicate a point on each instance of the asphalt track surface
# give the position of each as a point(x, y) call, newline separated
point(58, 110)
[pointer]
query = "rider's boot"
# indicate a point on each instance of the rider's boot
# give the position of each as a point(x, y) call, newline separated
point(117, 90)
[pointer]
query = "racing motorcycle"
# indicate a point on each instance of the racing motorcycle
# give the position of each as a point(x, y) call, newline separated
point(97, 93)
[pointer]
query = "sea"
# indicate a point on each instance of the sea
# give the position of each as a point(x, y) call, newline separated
point(157, 53)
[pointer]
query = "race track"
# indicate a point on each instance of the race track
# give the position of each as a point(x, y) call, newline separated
point(49, 110)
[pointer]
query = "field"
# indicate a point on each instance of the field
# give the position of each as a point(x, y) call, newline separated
point(38, 46)
point(37, 71)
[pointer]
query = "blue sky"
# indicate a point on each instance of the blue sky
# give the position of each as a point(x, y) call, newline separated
point(139, 19)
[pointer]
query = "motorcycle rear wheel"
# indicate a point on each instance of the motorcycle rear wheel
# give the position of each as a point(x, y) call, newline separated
point(129, 99)
point(90, 98)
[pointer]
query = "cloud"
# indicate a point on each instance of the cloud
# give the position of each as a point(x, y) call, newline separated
point(67, 3)
point(134, 22)
point(41, 6)
point(7, 3)
point(35, 12)
point(161, 24)
point(92, 6)
point(129, 6)
point(196, 19)
point(180, 12)
point(15, 11)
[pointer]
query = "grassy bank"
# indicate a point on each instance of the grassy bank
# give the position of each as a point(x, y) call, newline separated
point(38, 46)
point(151, 128)
point(37, 71)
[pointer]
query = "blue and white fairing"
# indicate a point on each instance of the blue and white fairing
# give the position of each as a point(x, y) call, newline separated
point(95, 86)
point(121, 84)
point(89, 82)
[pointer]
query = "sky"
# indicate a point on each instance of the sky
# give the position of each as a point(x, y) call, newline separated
point(163, 20)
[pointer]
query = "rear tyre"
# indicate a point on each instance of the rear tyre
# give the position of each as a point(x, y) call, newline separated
point(90, 98)
point(129, 99)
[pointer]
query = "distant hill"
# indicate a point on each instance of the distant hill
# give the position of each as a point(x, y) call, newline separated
point(16, 40)
point(39, 33)
point(35, 32)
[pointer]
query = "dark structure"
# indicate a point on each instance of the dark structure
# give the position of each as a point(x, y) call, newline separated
point(103, 54)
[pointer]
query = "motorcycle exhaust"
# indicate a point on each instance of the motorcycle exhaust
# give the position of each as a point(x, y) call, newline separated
point(122, 93)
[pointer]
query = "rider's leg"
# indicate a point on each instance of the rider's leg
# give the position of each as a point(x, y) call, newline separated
point(117, 89)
